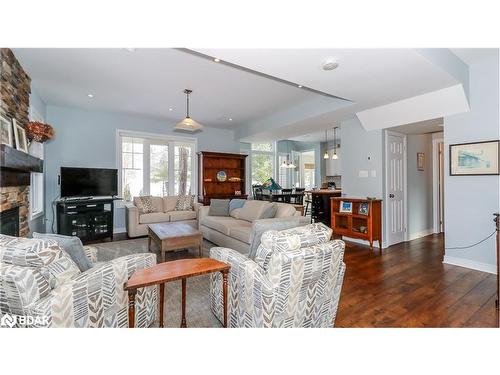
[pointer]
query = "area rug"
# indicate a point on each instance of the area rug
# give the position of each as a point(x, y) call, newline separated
point(198, 313)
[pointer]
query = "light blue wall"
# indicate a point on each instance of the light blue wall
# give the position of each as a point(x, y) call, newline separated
point(470, 201)
point(38, 225)
point(358, 146)
point(88, 139)
point(419, 185)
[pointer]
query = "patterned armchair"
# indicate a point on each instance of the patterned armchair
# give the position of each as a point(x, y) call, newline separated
point(39, 280)
point(295, 280)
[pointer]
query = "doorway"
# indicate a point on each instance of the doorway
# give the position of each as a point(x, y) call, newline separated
point(438, 184)
point(305, 171)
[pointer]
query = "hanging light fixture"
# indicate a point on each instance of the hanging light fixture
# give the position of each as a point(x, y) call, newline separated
point(335, 156)
point(188, 124)
point(287, 163)
point(326, 156)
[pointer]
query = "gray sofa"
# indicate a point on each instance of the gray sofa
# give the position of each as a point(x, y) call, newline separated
point(242, 230)
point(164, 211)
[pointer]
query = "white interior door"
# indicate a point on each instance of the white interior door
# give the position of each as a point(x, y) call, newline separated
point(396, 186)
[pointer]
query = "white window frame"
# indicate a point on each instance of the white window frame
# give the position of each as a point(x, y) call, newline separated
point(271, 153)
point(164, 138)
point(37, 188)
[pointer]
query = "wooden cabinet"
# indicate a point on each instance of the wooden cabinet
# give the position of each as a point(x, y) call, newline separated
point(88, 220)
point(320, 205)
point(365, 226)
point(334, 166)
point(214, 164)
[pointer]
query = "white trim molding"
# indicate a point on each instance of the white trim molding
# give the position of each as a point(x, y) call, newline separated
point(364, 242)
point(423, 233)
point(478, 266)
point(435, 184)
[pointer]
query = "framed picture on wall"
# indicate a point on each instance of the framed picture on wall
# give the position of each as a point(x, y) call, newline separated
point(6, 131)
point(474, 159)
point(420, 161)
point(20, 136)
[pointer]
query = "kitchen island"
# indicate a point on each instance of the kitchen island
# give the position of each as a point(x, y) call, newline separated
point(320, 205)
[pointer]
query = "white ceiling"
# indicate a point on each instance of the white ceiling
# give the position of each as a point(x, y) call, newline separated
point(421, 127)
point(150, 81)
point(474, 55)
point(363, 75)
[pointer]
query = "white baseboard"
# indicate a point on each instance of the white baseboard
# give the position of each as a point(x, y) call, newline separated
point(364, 242)
point(119, 230)
point(479, 266)
point(426, 232)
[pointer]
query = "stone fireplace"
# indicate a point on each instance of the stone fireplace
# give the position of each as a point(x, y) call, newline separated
point(15, 165)
point(15, 198)
point(9, 222)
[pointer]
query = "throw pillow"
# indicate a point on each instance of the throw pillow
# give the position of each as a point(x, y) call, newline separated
point(261, 226)
point(144, 204)
point(219, 207)
point(72, 246)
point(269, 212)
point(236, 203)
point(184, 203)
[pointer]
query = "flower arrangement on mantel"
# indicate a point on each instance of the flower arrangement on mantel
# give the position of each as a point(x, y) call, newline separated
point(39, 132)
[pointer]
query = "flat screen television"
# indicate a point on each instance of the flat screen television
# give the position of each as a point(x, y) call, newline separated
point(86, 182)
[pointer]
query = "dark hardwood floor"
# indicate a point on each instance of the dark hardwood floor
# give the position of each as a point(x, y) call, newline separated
point(409, 286)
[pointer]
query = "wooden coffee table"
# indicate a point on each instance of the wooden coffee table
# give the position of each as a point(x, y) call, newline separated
point(171, 271)
point(174, 236)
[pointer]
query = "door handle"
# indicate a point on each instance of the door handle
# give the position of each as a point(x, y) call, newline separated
point(391, 195)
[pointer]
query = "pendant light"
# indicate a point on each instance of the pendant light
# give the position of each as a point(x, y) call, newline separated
point(335, 156)
point(287, 164)
point(188, 124)
point(326, 156)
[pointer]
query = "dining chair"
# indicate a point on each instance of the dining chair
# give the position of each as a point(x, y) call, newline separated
point(299, 199)
point(285, 192)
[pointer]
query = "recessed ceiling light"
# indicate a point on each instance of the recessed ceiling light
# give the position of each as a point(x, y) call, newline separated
point(170, 109)
point(299, 86)
point(90, 95)
point(130, 49)
point(330, 65)
point(230, 119)
point(217, 60)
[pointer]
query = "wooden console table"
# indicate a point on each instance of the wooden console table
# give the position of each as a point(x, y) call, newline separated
point(171, 271)
point(365, 226)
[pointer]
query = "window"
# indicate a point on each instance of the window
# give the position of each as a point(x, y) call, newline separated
point(155, 165)
point(36, 195)
point(283, 172)
point(262, 165)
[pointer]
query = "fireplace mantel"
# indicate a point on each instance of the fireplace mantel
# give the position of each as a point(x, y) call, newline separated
point(15, 166)
point(20, 161)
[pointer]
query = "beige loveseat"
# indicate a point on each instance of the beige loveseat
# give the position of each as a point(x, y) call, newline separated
point(238, 230)
point(163, 211)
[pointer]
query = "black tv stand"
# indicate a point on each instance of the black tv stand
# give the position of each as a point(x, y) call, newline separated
point(89, 219)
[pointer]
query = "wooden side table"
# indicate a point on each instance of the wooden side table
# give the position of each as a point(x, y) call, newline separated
point(174, 236)
point(171, 271)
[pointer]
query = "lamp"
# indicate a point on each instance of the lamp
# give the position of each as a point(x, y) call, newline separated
point(188, 124)
point(287, 164)
point(335, 156)
point(270, 184)
point(326, 156)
